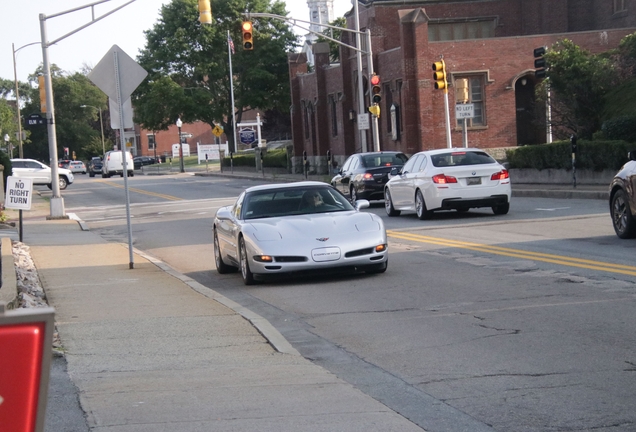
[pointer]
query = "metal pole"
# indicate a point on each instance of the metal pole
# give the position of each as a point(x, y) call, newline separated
point(101, 124)
point(229, 54)
point(465, 133)
point(57, 202)
point(449, 142)
point(361, 110)
point(374, 125)
point(181, 167)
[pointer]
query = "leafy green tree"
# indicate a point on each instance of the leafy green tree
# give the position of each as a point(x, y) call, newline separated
point(188, 65)
point(8, 125)
point(578, 82)
point(75, 126)
point(334, 48)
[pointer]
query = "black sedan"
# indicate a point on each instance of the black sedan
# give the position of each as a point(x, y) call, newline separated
point(623, 199)
point(140, 161)
point(363, 175)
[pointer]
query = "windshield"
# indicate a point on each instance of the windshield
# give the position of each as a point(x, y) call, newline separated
point(293, 202)
point(379, 160)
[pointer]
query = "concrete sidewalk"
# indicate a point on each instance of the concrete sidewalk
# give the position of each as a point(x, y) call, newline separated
point(152, 350)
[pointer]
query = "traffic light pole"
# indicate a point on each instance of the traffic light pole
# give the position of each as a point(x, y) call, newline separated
point(57, 202)
point(359, 52)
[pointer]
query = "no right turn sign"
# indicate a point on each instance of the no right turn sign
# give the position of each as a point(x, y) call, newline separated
point(19, 191)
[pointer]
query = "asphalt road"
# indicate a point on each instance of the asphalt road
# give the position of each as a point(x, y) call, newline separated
point(510, 323)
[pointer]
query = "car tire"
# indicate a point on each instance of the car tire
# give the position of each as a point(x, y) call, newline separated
point(353, 195)
point(420, 207)
point(91, 174)
point(501, 209)
point(221, 267)
point(63, 183)
point(388, 204)
point(49, 186)
point(622, 219)
point(248, 276)
point(377, 268)
point(131, 174)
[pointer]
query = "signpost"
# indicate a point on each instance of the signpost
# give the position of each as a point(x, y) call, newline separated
point(247, 136)
point(35, 120)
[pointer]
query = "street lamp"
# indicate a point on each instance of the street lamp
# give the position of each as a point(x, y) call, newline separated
point(17, 93)
point(101, 124)
point(179, 124)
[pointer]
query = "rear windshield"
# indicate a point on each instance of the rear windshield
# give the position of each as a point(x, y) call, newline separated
point(378, 160)
point(458, 158)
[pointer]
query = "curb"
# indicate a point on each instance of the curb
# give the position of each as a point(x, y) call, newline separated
point(273, 336)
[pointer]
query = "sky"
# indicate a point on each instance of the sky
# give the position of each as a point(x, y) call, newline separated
point(21, 26)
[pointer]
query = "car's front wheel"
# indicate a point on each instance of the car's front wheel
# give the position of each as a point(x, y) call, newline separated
point(248, 277)
point(377, 268)
point(388, 204)
point(622, 219)
point(420, 207)
point(63, 183)
point(221, 267)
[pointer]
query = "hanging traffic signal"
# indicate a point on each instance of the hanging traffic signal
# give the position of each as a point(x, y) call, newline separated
point(540, 64)
point(376, 91)
point(248, 42)
point(205, 12)
point(439, 75)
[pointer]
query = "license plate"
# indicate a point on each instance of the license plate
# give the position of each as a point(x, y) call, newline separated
point(473, 181)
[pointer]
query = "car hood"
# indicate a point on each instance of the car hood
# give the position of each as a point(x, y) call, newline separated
point(63, 171)
point(293, 228)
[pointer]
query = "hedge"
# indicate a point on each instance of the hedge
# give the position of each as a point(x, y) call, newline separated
point(592, 155)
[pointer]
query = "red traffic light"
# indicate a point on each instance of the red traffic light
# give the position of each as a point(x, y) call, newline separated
point(375, 80)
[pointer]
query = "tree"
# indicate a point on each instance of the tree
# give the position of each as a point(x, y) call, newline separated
point(188, 68)
point(334, 48)
point(74, 125)
point(578, 84)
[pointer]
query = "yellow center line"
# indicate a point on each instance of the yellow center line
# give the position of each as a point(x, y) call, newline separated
point(143, 192)
point(517, 253)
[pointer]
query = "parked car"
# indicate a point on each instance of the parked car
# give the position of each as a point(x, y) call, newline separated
point(77, 167)
point(447, 179)
point(95, 166)
point(297, 227)
point(113, 164)
point(40, 173)
point(140, 161)
point(363, 175)
point(622, 199)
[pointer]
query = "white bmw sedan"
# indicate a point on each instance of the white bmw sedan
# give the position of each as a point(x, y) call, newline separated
point(448, 179)
point(297, 228)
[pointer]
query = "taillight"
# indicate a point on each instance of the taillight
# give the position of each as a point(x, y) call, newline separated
point(367, 176)
point(501, 175)
point(443, 179)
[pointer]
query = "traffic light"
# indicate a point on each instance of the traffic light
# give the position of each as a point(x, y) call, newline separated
point(74, 157)
point(375, 110)
point(376, 91)
point(248, 42)
point(461, 90)
point(205, 12)
point(439, 75)
point(540, 64)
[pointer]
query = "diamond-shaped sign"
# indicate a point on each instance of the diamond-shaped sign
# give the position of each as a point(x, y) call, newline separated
point(130, 74)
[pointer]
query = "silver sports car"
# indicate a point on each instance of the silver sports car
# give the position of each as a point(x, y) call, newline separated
point(297, 227)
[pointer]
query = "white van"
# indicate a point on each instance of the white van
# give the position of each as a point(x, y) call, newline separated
point(113, 164)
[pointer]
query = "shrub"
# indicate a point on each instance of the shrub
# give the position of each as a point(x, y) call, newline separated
point(620, 128)
point(6, 163)
point(592, 155)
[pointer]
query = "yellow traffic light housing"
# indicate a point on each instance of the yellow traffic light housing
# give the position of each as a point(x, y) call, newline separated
point(439, 75)
point(376, 91)
point(205, 12)
point(375, 110)
point(461, 90)
point(248, 41)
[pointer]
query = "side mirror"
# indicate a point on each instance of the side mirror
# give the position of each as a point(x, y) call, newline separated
point(362, 204)
point(223, 213)
point(395, 171)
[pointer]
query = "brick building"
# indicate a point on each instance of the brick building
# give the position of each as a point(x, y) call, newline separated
point(488, 42)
